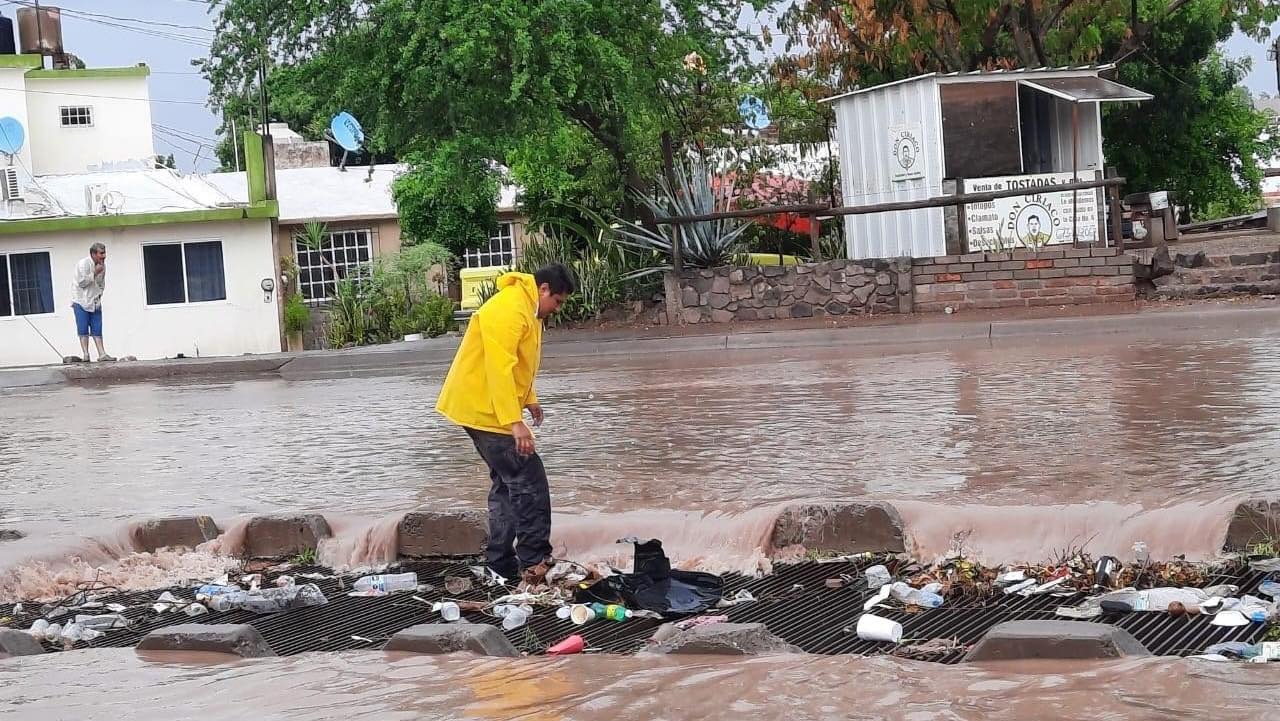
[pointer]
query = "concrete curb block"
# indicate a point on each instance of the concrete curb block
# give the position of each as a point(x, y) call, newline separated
point(152, 370)
point(853, 527)
point(237, 639)
point(18, 643)
point(1073, 640)
point(284, 536)
point(424, 534)
point(720, 639)
point(1254, 521)
point(185, 531)
point(441, 638)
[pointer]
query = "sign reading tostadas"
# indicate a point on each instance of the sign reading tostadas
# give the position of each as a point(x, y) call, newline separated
point(1039, 218)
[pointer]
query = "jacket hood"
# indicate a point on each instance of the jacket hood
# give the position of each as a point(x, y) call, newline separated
point(522, 280)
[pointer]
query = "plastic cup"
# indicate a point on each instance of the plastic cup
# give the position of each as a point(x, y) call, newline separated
point(448, 610)
point(571, 645)
point(615, 613)
point(582, 614)
point(564, 613)
point(879, 628)
point(516, 617)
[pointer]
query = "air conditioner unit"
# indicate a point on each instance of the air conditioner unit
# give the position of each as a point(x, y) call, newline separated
point(9, 184)
point(95, 199)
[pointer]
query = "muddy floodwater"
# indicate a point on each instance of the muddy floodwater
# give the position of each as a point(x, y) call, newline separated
point(1014, 450)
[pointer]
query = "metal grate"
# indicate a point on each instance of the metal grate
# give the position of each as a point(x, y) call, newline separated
point(794, 602)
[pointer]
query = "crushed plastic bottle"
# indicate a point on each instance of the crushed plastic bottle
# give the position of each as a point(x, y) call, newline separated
point(906, 594)
point(270, 600)
point(211, 590)
point(103, 623)
point(389, 583)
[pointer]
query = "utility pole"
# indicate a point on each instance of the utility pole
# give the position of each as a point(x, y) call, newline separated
point(1274, 55)
point(268, 144)
point(235, 142)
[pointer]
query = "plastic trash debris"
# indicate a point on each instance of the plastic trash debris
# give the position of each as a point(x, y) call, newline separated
point(515, 617)
point(103, 623)
point(1106, 572)
point(742, 596)
point(253, 581)
point(369, 593)
point(1011, 577)
point(571, 645)
point(1234, 649)
point(1020, 587)
point(38, 628)
point(166, 602)
point(582, 614)
point(614, 612)
point(1265, 565)
point(315, 576)
point(564, 612)
point(645, 613)
point(71, 634)
point(566, 572)
point(210, 590)
point(834, 583)
point(117, 607)
point(1268, 587)
point(908, 595)
point(1230, 618)
point(448, 610)
point(877, 576)
point(362, 639)
point(1044, 587)
point(195, 609)
point(879, 628)
point(880, 597)
point(1140, 553)
point(270, 600)
point(388, 583)
point(285, 581)
point(17, 608)
point(52, 632)
point(1082, 612)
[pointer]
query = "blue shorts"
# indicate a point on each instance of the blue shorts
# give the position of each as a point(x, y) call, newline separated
point(88, 324)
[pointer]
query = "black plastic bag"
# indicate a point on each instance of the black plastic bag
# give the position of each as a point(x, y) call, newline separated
point(655, 586)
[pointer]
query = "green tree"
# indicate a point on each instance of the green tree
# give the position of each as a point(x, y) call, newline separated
point(1199, 137)
point(572, 96)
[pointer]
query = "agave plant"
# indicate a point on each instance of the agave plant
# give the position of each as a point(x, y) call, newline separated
point(704, 244)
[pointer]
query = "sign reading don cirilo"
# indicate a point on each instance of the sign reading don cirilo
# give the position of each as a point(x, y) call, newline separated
point(1038, 218)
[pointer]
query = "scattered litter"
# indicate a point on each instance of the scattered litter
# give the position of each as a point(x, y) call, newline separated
point(834, 583)
point(1011, 577)
point(1083, 612)
point(362, 639)
point(212, 590)
point(514, 617)
point(878, 628)
point(368, 593)
point(456, 585)
point(566, 572)
point(389, 583)
point(315, 576)
point(929, 649)
point(642, 613)
point(284, 581)
point(270, 600)
point(103, 623)
point(697, 621)
point(880, 597)
point(253, 581)
point(38, 628)
point(17, 608)
point(448, 610)
point(117, 607)
point(1230, 618)
point(1268, 587)
point(655, 586)
point(742, 596)
point(877, 576)
point(571, 645)
point(195, 609)
point(564, 613)
point(1020, 587)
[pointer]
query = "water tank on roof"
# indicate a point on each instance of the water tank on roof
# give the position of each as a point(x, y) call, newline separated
point(7, 46)
point(40, 31)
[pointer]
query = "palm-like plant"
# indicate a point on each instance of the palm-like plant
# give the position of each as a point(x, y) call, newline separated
point(704, 244)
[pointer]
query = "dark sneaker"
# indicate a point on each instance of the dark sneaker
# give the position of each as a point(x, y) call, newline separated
point(106, 359)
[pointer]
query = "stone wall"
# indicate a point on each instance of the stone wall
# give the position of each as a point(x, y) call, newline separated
point(1021, 279)
point(833, 288)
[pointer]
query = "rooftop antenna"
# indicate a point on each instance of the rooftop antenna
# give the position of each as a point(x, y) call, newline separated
point(345, 130)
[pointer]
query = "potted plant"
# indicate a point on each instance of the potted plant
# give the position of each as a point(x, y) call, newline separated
point(296, 317)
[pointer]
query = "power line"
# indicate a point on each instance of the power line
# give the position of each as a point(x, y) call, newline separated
point(201, 103)
point(93, 18)
point(185, 134)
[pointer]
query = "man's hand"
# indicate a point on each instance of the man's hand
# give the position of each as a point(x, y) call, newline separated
point(535, 410)
point(99, 268)
point(524, 438)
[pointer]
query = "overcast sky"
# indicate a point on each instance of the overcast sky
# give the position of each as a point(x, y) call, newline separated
point(168, 34)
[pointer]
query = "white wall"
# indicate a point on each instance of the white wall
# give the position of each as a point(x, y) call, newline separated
point(242, 323)
point(121, 130)
point(13, 103)
point(862, 125)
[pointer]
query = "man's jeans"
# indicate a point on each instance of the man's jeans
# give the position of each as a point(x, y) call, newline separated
point(519, 505)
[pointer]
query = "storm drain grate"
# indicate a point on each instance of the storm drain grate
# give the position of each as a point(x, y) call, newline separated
point(793, 602)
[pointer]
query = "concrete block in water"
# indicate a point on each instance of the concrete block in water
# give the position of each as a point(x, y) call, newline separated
point(721, 639)
point(185, 531)
point(438, 638)
point(18, 643)
point(238, 639)
point(428, 533)
point(841, 528)
point(284, 536)
point(1017, 640)
point(1256, 521)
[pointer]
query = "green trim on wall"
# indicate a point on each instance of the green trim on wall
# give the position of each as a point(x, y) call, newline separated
point(135, 71)
point(19, 61)
point(96, 222)
point(255, 167)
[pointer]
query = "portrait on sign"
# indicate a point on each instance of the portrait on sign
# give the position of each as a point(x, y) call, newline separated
point(906, 156)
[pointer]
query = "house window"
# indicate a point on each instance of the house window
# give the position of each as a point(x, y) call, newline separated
point(341, 255)
point(184, 272)
point(77, 116)
point(499, 252)
point(26, 284)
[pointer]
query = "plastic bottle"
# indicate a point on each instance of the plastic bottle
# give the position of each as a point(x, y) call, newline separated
point(101, 623)
point(1140, 553)
point(388, 583)
point(928, 599)
point(269, 600)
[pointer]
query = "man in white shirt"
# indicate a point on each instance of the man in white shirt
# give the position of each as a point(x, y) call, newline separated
point(91, 280)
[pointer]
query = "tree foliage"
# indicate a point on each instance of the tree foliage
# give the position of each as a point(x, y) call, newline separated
point(572, 96)
point(1198, 137)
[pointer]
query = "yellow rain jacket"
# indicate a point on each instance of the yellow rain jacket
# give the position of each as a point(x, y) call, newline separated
point(491, 380)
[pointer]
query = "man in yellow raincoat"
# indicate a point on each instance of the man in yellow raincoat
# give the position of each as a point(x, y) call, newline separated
point(488, 388)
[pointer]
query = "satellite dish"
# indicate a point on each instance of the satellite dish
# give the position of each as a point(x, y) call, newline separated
point(754, 113)
point(347, 132)
point(12, 136)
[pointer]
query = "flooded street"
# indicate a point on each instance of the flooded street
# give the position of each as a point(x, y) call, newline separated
point(1024, 448)
point(1016, 438)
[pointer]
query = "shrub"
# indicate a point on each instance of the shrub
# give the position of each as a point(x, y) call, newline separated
point(296, 314)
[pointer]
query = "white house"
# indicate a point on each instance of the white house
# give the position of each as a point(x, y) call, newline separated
point(187, 265)
point(931, 135)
